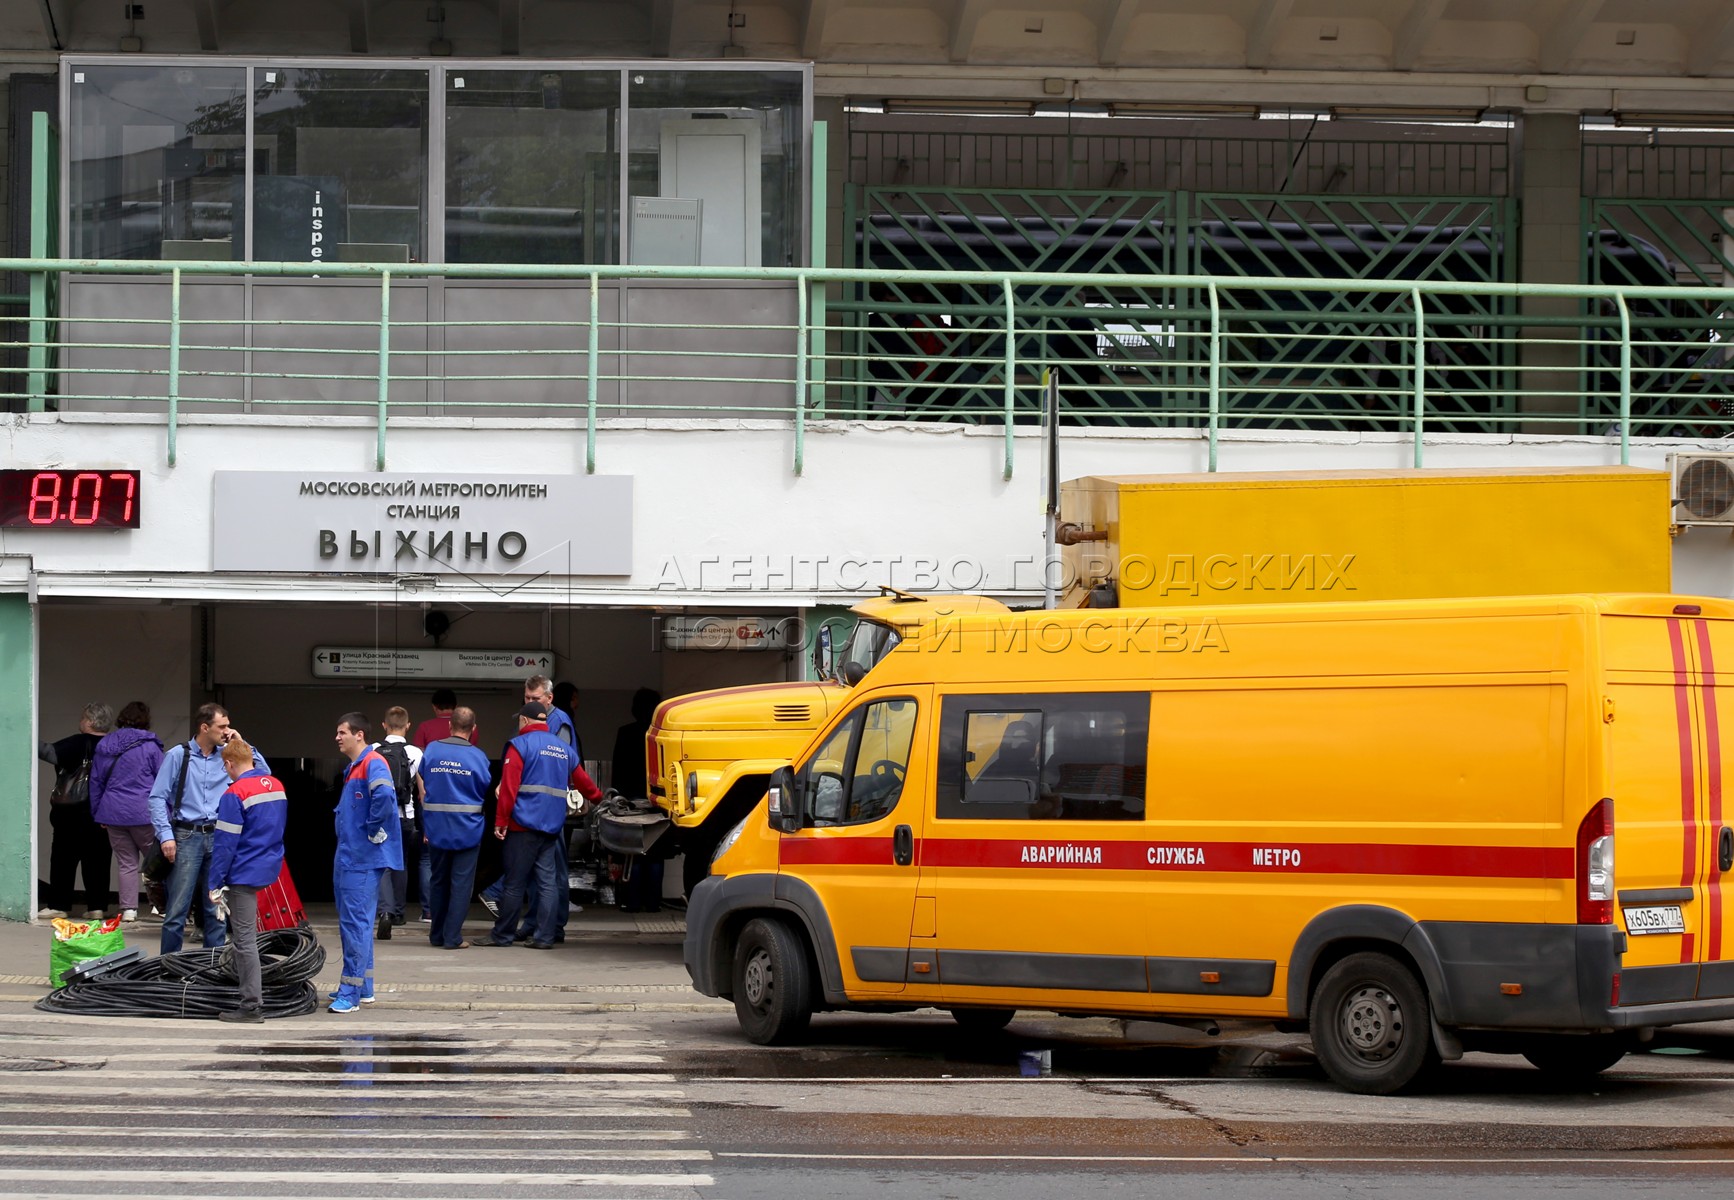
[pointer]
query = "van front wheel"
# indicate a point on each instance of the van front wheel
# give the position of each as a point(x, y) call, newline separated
point(773, 985)
point(1370, 1025)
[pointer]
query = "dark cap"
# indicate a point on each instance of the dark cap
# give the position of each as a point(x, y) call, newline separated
point(535, 710)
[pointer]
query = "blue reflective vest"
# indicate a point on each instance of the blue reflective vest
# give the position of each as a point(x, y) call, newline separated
point(367, 805)
point(455, 775)
point(548, 762)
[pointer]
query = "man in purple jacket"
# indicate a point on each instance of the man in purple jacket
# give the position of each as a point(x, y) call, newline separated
point(121, 772)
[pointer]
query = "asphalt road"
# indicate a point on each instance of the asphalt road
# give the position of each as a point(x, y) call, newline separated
point(534, 1105)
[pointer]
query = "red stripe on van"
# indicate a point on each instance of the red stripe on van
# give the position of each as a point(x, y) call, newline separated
point(1293, 858)
point(1713, 768)
point(836, 851)
point(1688, 793)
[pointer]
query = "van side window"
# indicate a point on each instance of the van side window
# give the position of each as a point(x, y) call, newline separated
point(1065, 756)
point(856, 775)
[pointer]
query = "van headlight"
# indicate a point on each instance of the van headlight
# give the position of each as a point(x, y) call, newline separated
point(728, 840)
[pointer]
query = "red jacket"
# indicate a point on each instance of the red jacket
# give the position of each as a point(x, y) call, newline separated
point(512, 774)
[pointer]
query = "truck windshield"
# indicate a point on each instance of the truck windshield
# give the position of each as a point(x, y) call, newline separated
point(868, 643)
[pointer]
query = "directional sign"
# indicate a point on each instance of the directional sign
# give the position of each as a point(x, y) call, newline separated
point(371, 662)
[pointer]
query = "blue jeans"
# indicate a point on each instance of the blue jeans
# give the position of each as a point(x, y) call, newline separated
point(453, 878)
point(530, 857)
point(192, 853)
point(562, 886)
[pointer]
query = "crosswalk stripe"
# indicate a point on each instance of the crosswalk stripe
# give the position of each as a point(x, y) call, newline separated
point(77, 1116)
point(361, 1182)
point(447, 1137)
point(88, 1153)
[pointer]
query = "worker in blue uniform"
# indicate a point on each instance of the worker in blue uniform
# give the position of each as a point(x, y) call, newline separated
point(246, 855)
point(454, 775)
point(529, 816)
point(538, 690)
point(368, 844)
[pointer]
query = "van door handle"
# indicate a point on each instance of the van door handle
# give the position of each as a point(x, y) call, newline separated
point(1725, 849)
point(903, 844)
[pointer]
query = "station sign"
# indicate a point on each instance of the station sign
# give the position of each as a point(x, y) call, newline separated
point(710, 632)
point(416, 523)
point(376, 662)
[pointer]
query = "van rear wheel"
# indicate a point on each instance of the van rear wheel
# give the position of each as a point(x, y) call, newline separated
point(1371, 1026)
point(1577, 1057)
point(772, 983)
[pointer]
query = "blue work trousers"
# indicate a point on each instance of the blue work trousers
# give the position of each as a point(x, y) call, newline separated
point(452, 880)
point(357, 891)
point(187, 881)
point(530, 859)
point(562, 885)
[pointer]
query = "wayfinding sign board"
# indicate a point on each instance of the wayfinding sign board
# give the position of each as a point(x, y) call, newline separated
point(368, 662)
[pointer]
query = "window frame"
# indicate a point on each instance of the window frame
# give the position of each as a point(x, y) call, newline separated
point(856, 716)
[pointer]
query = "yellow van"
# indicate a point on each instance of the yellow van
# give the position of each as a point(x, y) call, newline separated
point(1414, 826)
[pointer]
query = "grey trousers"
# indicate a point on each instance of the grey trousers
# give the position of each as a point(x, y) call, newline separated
point(244, 938)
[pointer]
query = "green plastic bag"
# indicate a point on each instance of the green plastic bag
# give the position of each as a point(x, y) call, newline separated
point(78, 941)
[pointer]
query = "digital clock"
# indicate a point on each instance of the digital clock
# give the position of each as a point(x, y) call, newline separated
point(69, 499)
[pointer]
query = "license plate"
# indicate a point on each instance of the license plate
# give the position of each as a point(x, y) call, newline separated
point(1659, 918)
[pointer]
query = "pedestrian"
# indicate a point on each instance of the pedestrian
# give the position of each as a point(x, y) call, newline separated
point(562, 702)
point(530, 814)
point(184, 797)
point(78, 840)
point(246, 855)
point(641, 887)
point(438, 726)
point(537, 690)
point(405, 763)
point(454, 777)
point(369, 843)
point(121, 773)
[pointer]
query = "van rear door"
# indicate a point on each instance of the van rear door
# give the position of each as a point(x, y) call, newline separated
point(1656, 778)
point(1712, 643)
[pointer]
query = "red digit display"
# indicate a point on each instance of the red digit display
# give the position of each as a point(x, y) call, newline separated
point(69, 499)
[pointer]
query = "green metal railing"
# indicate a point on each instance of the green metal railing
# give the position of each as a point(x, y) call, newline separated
point(1408, 344)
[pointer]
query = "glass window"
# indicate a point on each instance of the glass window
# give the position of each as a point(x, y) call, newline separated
point(856, 775)
point(340, 164)
point(716, 167)
point(532, 166)
point(1056, 756)
point(157, 161)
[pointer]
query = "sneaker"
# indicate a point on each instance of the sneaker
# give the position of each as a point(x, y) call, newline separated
point(488, 902)
point(367, 999)
point(131, 914)
point(427, 918)
point(334, 995)
point(49, 914)
point(343, 1004)
point(95, 914)
point(243, 1016)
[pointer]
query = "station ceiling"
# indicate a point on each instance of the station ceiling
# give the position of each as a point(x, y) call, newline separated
point(1676, 55)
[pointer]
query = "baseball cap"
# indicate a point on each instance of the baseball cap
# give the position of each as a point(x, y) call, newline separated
point(535, 710)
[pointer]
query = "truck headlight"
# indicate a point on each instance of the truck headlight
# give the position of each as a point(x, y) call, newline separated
point(728, 840)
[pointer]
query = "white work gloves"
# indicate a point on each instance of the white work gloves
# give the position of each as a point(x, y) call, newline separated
point(220, 898)
point(377, 837)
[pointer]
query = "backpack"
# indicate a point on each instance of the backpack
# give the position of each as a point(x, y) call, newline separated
point(396, 756)
point(73, 788)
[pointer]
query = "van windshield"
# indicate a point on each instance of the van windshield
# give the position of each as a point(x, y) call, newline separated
point(868, 643)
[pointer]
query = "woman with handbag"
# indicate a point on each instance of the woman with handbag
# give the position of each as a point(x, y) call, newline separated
point(78, 841)
point(121, 773)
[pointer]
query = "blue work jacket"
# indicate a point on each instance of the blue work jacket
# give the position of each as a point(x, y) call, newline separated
point(248, 847)
point(455, 775)
point(368, 804)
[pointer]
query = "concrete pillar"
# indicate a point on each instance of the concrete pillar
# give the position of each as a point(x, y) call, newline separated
point(1550, 248)
point(18, 763)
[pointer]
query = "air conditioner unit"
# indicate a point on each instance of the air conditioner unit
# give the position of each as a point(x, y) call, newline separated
point(1703, 489)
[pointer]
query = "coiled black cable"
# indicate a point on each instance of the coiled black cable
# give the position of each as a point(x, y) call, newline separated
point(200, 983)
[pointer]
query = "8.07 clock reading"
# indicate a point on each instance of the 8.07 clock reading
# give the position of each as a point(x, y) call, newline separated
point(69, 499)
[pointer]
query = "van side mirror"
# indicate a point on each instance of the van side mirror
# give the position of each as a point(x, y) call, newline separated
point(784, 801)
point(824, 658)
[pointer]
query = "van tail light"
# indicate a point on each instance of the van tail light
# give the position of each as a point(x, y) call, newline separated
point(1595, 866)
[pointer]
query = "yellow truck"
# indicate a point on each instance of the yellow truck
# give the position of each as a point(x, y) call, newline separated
point(1159, 540)
point(1413, 827)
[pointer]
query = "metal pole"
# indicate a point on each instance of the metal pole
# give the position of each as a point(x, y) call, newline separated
point(800, 373)
point(1215, 373)
point(1011, 364)
point(1050, 525)
point(174, 360)
point(818, 209)
point(590, 383)
point(384, 364)
point(1625, 380)
point(1420, 371)
point(37, 355)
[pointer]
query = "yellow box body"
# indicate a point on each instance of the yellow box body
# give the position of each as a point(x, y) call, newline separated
point(1368, 535)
